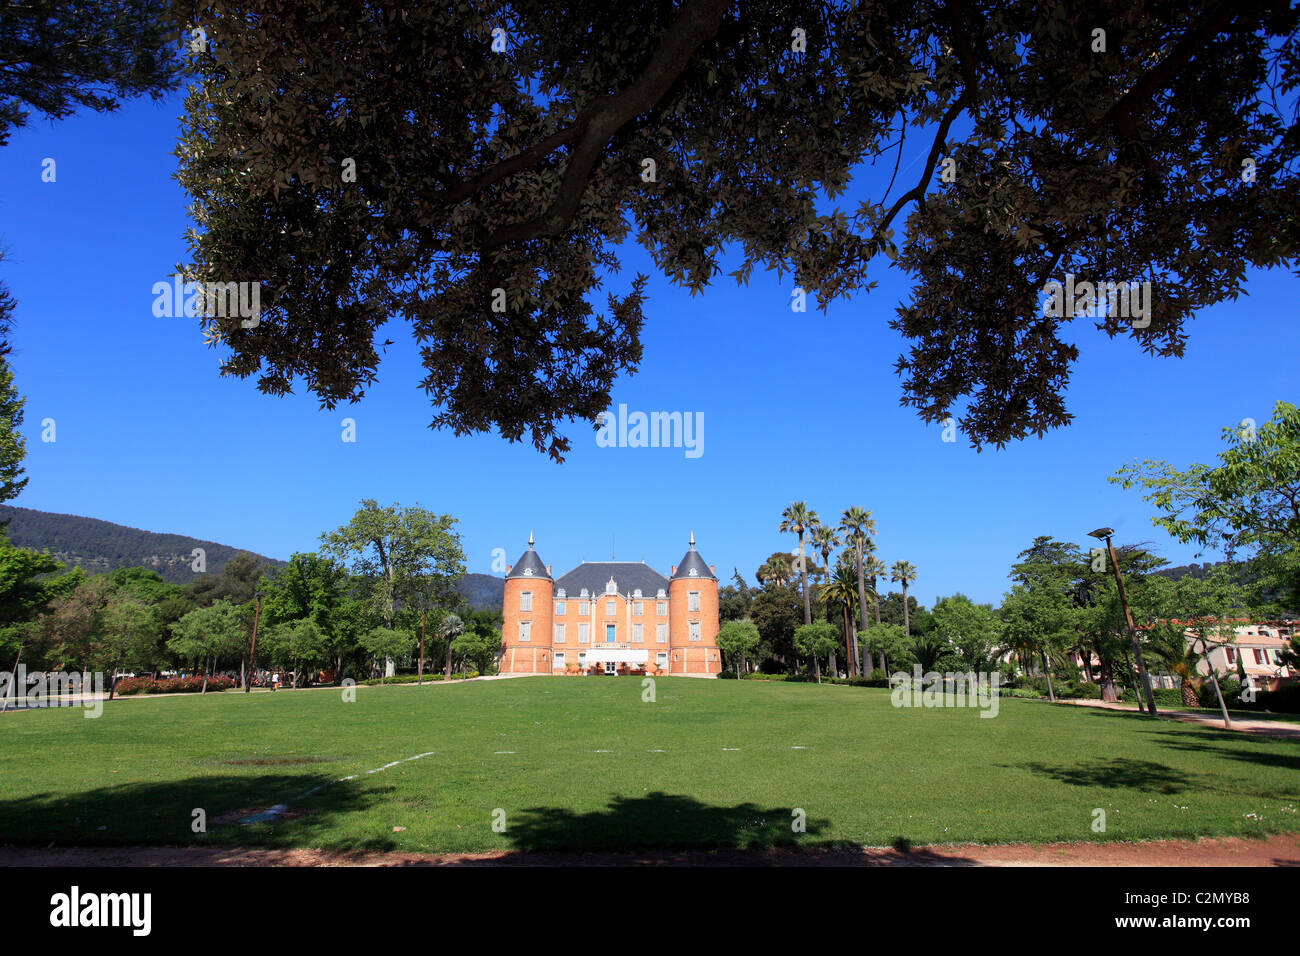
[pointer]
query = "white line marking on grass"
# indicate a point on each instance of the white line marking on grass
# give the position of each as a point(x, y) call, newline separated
point(798, 748)
point(730, 748)
point(354, 776)
point(505, 751)
point(656, 751)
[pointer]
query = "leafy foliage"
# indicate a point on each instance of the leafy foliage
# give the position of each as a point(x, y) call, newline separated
point(521, 170)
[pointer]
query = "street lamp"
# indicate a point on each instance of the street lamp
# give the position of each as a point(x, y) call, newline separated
point(257, 612)
point(1105, 533)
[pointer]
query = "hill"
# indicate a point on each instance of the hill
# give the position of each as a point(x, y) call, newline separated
point(98, 546)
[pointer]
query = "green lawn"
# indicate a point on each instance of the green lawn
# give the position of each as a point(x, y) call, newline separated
point(709, 764)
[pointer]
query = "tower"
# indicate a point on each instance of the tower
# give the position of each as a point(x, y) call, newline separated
point(693, 617)
point(527, 616)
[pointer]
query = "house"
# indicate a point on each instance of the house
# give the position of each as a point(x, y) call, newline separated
point(611, 617)
point(1257, 647)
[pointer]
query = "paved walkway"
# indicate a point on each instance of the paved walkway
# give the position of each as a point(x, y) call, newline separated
point(1268, 728)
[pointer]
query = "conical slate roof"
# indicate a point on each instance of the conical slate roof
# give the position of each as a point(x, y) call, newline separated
point(692, 565)
point(529, 565)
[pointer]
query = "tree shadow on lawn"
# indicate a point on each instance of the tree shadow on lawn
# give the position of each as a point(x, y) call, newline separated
point(662, 822)
point(661, 825)
point(162, 812)
point(1145, 776)
point(1214, 743)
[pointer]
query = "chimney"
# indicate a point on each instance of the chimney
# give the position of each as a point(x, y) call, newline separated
point(713, 569)
point(548, 569)
point(673, 571)
point(507, 569)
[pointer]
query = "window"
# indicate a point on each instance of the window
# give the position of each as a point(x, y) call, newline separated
point(582, 632)
point(609, 633)
point(560, 593)
point(559, 661)
point(636, 633)
point(692, 600)
point(1259, 657)
point(638, 608)
point(524, 628)
point(661, 595)
point(583, 595)
point(584, 608)
point(661, 633)
point(695, 630)
point(559, 608)
point(611, 607)
point(611, 587)
point(525, 600)
point(1232, 655)
point(661, 660)
point(582, 660)
point(559, 634)
point(662, 609)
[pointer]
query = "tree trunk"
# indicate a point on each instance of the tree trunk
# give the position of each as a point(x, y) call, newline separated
point(14, 677)
point(907, 617)
point(1047, 669)
point(803, 579)
point(877, 608)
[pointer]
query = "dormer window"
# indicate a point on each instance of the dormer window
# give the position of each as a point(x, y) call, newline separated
point(584, 593)
point(636, 593)
point(661, 595)
point(560, 593)
point(692, 572)
point(528, 571)
point(611, 587)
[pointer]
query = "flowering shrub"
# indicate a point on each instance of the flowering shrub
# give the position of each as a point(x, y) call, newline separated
point(170, 685)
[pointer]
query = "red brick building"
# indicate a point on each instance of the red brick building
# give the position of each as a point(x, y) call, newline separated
point(611, 617)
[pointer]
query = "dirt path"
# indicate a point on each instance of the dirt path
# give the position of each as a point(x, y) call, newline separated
point(1283, 850)
point(1245, 725)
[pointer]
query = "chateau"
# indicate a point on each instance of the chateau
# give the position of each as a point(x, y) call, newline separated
point(611, 617)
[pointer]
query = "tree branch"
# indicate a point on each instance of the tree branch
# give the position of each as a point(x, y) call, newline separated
point(698, 23)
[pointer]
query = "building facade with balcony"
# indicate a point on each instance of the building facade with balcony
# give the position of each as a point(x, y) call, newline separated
point(611, 617)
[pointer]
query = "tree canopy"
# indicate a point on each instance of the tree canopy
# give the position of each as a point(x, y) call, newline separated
point(473, 169)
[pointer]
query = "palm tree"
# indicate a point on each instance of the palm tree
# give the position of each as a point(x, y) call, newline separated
point(797, 519)
point(875, 569)
point(858, 526)
point(451, 628)
point(927, 650)
point(904, 572)
point(824, 539)
point(1171, 648)
point(775, 571)
point(842, 590)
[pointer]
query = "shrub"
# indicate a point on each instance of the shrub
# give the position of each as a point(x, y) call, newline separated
point(1168, 697)
point(129, 686)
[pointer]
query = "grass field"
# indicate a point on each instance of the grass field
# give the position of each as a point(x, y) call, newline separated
point(584, 764)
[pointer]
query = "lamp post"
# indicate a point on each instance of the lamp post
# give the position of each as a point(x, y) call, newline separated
point(257, 613)
point(1105, 533)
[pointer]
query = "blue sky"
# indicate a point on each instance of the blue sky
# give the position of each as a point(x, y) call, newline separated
point(795, 406)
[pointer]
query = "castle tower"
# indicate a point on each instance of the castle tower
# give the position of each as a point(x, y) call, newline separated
point(527, 613)
point(693, 617)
